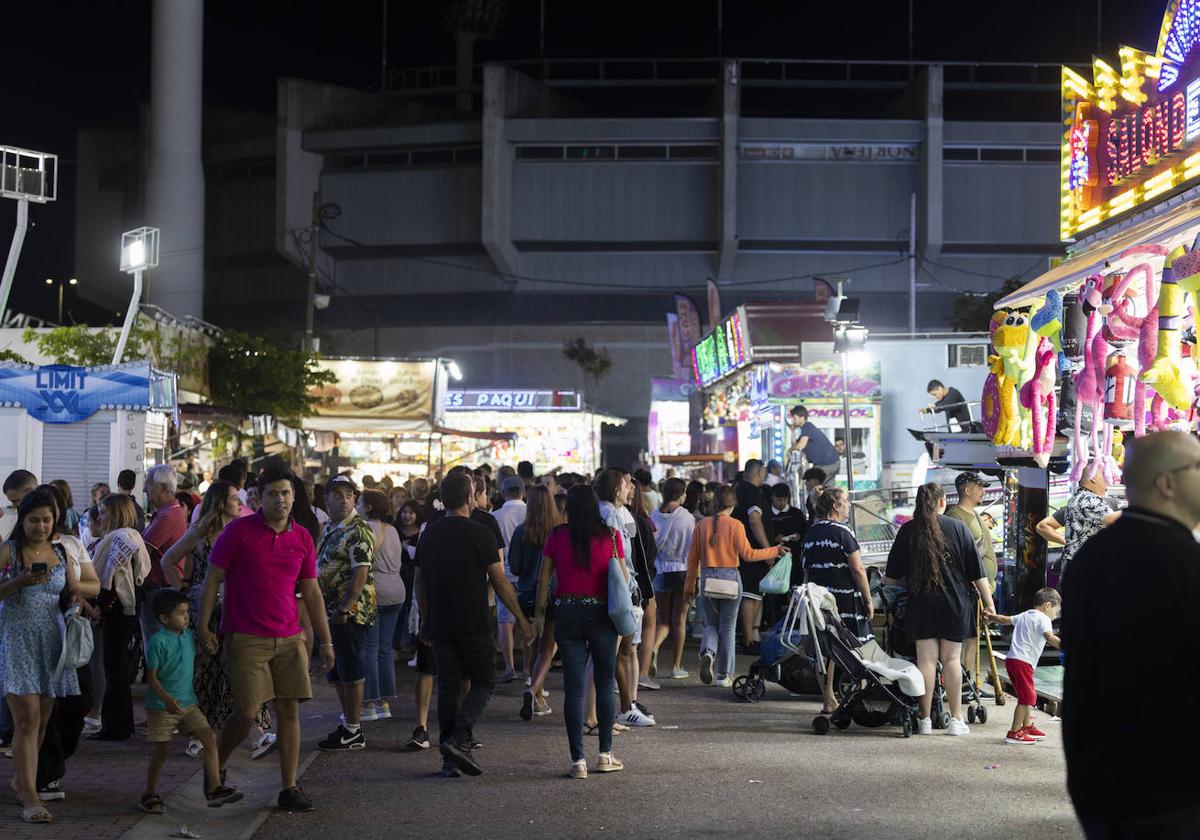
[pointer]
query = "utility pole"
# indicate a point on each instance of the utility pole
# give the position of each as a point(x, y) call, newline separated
point(310, 340)
point(912, 265)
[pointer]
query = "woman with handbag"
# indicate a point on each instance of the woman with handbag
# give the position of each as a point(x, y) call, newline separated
point(719, 546)
point(122, 561)
point(35, 574)
point(578, 554)
point(831, 558)
point(935, 559)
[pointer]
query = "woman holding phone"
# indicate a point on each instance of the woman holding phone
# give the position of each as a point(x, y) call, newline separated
point(34, 574)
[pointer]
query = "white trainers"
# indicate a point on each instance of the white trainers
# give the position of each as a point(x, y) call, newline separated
point(706, 667)
point(263, 745)
point(925, 726)
point(679, 674)
point(635, 717)
point(724, 682)
point(957, 727)
point(649, 684)
point(368, 712)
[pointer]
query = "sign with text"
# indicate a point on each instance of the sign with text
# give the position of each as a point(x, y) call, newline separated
point(1133, 135)
point(510, 399)
point(69, 394)
point(401, 390)
point(872, 152)
point(822, 380)
point(723, 350)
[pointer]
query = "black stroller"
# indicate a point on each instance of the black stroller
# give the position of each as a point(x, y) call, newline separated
point(875, 689)
point(897, 643)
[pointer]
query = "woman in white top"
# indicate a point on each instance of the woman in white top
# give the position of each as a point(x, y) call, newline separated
point(673, 525)
point(122, 561)
point(378, 665)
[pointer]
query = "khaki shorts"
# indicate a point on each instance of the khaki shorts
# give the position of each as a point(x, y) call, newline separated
point(263, 669)
point(161, 724)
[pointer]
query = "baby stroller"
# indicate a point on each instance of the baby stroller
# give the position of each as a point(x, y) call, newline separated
point(897, 643)
point(877, 689)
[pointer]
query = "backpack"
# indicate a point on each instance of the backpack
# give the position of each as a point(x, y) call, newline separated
point(77, 641)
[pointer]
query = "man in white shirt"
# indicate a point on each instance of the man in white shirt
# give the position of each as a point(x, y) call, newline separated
point(512, 512)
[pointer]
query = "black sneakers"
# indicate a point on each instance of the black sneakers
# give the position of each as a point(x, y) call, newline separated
point(460, 754)
point(52, 791)
point(343, 739)
point(418, 741)
point(223, 796)
point(294, 800)
point(449, 771)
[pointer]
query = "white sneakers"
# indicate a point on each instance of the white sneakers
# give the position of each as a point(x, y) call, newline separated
point(957, 727)
point(635, 717)
point(925, 726)
point(706, 667)
point(724, 682)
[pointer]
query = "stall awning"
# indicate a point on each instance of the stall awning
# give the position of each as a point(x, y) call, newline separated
point(1170, 229)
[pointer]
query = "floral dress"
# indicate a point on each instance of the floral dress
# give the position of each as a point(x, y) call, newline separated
point(31, 631)
point(214, 695)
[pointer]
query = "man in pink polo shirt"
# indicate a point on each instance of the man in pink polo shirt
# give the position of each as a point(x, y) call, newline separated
point(259, 559)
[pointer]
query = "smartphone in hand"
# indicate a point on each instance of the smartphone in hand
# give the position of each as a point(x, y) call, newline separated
point(38, 568)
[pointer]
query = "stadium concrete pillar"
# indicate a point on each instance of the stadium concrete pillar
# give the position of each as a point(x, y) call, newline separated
point(731, 101)
point(497, 175)
point(175, 174)
point(930, 189)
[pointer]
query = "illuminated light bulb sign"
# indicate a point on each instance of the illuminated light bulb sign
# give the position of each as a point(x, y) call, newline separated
point(722, 351)
point(1131, 137)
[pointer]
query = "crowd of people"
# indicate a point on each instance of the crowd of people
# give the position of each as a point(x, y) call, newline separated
point(230, 595)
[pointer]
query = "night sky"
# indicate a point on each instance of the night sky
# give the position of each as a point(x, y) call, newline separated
point(69, 65)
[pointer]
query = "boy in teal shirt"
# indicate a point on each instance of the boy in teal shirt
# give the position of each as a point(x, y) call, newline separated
point(171, 702)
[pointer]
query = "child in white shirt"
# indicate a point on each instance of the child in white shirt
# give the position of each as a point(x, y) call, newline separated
point(1031, 630)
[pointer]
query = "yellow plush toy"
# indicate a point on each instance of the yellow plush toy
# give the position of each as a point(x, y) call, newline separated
point(1172, 376)
point(1118, 447)
point(1013, 365)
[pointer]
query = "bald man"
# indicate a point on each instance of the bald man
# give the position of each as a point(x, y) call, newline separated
point(1127, 615)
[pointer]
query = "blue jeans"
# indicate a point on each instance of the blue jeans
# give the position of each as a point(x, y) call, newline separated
point(377, 655)
point(581, 630)
point(720, 621)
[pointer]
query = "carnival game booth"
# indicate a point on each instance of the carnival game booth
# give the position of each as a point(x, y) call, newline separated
point(727, 360)
point(84, 424)
point(552, 429)
point(1103, 345)
point(669, 431)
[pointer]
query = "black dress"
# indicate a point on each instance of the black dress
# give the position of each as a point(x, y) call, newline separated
point(947, 613)
point(827, 549)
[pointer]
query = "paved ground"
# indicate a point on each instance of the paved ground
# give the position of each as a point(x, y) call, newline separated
point(713, 767)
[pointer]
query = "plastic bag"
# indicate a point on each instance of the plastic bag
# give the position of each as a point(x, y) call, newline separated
point(779, 580)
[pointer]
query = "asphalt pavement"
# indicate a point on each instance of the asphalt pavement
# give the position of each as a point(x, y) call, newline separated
point(713, 766)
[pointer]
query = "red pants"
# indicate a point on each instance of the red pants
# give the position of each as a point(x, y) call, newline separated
point(1021, 675)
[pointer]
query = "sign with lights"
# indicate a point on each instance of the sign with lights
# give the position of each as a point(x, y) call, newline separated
point(723, 350)
point(511, 399)
point(1132, 136)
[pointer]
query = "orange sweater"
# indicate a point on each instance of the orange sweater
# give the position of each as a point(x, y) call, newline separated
point(732, 547)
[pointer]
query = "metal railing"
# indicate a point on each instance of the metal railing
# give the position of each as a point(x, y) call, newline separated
point(706, 70)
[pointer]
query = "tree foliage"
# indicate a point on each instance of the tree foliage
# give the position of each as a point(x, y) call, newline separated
point(170, 349)
point(593, 361)
point(258, 375)
point(10, 356)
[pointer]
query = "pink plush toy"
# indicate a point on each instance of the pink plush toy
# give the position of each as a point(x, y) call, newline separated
point(1037, 395)
point(1089, 381)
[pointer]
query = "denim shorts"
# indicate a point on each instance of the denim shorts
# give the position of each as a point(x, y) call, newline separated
point(349, 641)
point(504, 614)
point(669, 581)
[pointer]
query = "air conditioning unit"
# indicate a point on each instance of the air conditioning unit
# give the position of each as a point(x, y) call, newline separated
point(968, 355)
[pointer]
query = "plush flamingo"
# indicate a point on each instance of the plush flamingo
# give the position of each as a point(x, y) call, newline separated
point(1089, 381)
point(1037, 395)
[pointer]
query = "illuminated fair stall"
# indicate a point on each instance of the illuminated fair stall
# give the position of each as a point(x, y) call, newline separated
point(669, 426)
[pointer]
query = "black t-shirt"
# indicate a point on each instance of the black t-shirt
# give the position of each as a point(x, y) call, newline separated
point(750, 499)
point(954, 406)
point(1128, 622)
point(454, 554)
point(791, 521)
point(948, 613)
point(482, 517)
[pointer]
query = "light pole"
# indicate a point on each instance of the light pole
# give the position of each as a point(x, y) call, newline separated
point(62, 285)
point(139, 251)
point(848, 338)
point(25, 176)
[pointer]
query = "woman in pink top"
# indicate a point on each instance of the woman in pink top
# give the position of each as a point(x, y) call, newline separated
point(578, 554)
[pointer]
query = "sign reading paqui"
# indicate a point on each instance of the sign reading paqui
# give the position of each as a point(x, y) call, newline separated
point(511, 399)
point(69, 394)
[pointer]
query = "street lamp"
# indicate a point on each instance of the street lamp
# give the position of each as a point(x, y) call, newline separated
point(62, 285)
point(25, 176)
point(139, 251)
point(849, 339)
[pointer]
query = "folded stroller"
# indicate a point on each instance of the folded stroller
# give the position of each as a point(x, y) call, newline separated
point(874, 688)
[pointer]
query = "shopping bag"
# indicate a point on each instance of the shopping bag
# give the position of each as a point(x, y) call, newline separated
point(620, 599)
point(779, 580)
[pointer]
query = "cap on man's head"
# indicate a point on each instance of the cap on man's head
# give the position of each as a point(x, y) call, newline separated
point(970, 477)
point(339, 481)
point(512, 487)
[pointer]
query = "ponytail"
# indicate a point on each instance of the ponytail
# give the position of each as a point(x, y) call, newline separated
point(927, 545)
point(723, 498)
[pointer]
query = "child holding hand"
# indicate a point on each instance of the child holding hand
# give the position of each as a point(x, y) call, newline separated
point(1032, 629)
point(171, 702)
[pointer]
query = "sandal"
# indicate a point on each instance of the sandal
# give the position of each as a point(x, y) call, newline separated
point(36, 814)
point(152, 804)
point(592, 729)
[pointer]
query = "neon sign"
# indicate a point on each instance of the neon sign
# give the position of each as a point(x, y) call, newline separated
point(1132, 135)
point(722, 351)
